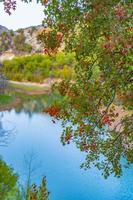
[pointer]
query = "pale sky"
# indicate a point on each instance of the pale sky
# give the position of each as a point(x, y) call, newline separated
point(25, 15)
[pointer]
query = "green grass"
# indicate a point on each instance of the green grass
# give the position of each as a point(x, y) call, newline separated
point(5, 99)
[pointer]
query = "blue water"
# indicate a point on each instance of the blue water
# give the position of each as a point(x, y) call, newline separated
point(35, 136)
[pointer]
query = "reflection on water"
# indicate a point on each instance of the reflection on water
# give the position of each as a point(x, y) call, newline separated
point(6, 131)
point(36, 133)
point(36, 104)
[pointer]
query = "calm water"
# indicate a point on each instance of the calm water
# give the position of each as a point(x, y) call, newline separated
point(35, 136)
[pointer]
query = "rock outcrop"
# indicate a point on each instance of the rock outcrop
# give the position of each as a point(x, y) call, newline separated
point(20, 42)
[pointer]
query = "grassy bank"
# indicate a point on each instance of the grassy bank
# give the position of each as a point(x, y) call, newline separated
point(8, 101)
point(5, 99)
point(28, 97)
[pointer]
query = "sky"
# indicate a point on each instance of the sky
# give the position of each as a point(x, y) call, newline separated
point(26, 15)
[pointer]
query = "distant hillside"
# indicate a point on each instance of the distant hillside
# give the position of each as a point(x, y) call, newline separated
point(3, 29)
point(20, 42)
point(31, 37)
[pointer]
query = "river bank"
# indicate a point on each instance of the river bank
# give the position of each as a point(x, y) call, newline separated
point(33, 88)
point(17, 91)
point(12, 104)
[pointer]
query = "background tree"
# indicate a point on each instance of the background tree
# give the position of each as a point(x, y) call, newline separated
point(20, 44)
point(5, 42)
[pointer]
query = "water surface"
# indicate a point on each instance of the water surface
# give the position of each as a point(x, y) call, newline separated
point(34, 135)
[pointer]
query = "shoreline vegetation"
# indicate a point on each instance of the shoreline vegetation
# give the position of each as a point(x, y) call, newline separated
point(33, 88)
point(19, 92)
point(37, 67)
point(7, 106)
point(9, 101)
point(35, 74)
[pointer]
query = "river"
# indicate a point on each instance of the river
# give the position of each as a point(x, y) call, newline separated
point(34, 136)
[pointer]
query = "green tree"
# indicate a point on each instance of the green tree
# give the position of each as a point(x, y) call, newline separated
point(8, 180)
point(5, 41)
point(20, 45)
point(100, 34)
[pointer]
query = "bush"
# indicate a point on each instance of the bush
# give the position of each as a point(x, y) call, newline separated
point(38, 67)
point(62, 59)
point(65, 73)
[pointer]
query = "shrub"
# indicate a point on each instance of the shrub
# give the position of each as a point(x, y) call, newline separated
point(65, 73)
point(38, 67)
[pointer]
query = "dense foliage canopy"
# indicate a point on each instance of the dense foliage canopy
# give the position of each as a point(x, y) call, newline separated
point(100, 33)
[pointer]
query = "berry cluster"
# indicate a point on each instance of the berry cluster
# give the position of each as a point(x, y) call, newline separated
point(51, 39)
point(106, 120)
point(53, 111)
point(86, 147)
point(108, 46)
point(119, 12)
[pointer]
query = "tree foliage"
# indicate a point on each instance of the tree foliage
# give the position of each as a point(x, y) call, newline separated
point(8, 179)
point(100, 33)
point(5, 42)
point(20, 45)
point(39, 193)
point(51, 39)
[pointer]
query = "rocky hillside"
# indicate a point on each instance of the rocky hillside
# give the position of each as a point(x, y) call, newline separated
point(20, 42)
point(31, 37)
point(3, 29)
